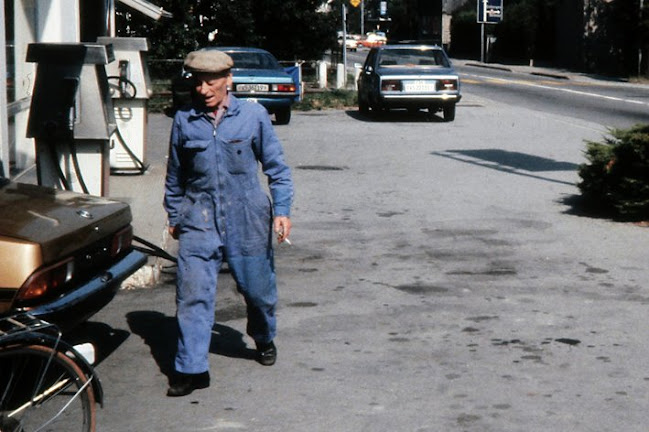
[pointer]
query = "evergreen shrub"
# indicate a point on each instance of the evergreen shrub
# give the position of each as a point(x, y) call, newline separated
point(616, 176)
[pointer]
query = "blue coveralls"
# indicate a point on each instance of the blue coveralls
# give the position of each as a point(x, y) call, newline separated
point(214, 197)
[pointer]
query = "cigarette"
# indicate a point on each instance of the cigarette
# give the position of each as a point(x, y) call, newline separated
point(288, 241)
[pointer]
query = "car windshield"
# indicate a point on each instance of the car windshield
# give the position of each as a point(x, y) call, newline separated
point(254, 60)
point(412, 57)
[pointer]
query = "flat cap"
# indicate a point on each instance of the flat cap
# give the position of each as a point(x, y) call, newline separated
point(210, 61)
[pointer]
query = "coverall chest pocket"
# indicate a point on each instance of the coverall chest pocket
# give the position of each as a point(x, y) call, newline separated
point(239, 156)
point(198, 156)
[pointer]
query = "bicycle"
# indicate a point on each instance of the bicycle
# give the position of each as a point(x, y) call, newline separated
point(45, 383)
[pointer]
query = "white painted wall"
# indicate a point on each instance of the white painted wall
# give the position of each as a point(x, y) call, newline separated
point(34, 21)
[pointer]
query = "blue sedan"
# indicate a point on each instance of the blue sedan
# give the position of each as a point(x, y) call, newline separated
point(411, 77)
point(256, 76)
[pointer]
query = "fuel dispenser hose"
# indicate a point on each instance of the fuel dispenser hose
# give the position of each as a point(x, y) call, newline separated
point(142, 167)
point(153, 250)
point(77, 168)
point(122, 84)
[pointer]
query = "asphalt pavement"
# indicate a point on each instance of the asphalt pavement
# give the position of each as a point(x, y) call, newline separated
point(437, 282)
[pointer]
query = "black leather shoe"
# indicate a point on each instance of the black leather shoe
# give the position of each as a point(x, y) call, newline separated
point(266, 353)
point(183, 384)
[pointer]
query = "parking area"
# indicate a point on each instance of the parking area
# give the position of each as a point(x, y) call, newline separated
point(436, 281)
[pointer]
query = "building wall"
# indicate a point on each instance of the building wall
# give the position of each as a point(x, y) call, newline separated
point(28, 21)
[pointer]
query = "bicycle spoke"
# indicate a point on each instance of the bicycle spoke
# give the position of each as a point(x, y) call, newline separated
point(44, 391)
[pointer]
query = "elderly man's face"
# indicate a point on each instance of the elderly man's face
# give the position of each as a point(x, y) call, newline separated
point(212, 88)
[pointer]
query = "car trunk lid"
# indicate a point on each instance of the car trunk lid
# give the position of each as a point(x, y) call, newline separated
point(61, 222)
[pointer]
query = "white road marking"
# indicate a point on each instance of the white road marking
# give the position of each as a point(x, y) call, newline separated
point(547, 87)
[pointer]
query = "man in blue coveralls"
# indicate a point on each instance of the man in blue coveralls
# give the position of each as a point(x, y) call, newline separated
point(218, 211)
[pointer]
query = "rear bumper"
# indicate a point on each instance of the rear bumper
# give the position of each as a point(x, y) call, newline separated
point(400, 100)
point(77, 306)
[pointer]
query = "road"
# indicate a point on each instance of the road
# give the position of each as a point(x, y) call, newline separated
point(440, 279)
point(607, 102)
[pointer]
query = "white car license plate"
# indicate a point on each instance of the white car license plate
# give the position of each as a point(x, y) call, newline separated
point(252, 87)
point(419, 86)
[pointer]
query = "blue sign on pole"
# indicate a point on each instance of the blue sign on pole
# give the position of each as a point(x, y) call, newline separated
point(490, 11)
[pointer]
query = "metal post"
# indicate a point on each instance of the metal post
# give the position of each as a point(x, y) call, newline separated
point(640, 39)
point(4, 120)
point(344, 45)
point(362, 17)
point(482, 43)
point(112, 32)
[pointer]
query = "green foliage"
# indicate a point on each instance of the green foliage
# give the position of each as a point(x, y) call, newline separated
point(335, 99)
point(527, 30)
point(290, 29)
point(616, 176)
point(613, 43)
point(465, 32)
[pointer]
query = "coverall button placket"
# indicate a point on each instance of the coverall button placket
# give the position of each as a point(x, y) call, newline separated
point(221, 171)
point(219, 220)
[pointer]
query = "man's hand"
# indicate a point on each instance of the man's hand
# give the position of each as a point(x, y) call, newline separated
point(282, 227)
point(173, 232)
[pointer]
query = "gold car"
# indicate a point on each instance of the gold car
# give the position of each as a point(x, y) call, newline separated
point(63, 255)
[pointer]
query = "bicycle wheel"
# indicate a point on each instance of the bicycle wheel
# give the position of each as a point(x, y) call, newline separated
point(42, 389)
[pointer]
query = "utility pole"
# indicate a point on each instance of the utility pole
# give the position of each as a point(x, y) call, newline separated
point(362, 17)
point(640, 47)
point(4, 122)
point(344, 45)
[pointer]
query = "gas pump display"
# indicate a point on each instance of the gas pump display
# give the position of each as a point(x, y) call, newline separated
point(71, 117)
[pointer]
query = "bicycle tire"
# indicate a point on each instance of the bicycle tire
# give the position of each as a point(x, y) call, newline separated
point(42, 389)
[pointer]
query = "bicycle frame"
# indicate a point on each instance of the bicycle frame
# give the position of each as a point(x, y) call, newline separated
point(24, 329)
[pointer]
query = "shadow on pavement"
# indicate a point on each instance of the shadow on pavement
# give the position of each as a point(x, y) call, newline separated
point(230, 343)
point(160, 333)
point(103, 337)
point(396, 115)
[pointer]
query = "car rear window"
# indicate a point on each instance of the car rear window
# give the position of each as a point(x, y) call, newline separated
point(252, 60)
point(412, 57)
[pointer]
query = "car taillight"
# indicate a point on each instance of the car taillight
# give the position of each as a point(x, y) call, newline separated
point(391, 85)
point(121, 241)
point(47, 280)
point(284, 88)
point(448, 84)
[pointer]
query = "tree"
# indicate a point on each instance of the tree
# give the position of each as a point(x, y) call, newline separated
point(169, 38)
point(527, 31)
point(290, 29)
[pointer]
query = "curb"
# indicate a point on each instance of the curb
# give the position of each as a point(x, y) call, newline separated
point(507, 69)
point(488, 66)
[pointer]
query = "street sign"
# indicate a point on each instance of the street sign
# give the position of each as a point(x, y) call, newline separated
point(490, 11)
point(383, 8)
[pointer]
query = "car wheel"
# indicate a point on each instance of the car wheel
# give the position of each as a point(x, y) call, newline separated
point(283, 116)
point(363, 106)
point(378, 110)
point(449, 113)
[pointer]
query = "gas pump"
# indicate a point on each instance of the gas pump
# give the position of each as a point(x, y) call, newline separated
point(130, 87)
point(71, 116)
